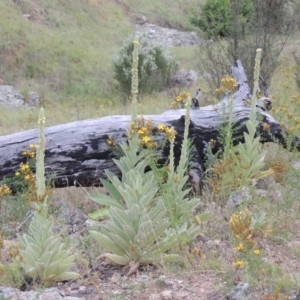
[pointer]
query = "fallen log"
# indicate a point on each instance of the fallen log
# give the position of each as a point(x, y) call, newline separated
point(77, 153)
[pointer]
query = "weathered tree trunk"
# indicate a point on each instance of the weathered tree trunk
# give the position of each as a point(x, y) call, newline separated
point(78, 153)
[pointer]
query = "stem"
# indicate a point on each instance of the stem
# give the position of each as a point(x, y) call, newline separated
point(255, 87)
point(135, 78)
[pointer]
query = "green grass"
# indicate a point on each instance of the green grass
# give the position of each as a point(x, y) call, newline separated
point(65, 49)
point(64, 52)
point(166, 13)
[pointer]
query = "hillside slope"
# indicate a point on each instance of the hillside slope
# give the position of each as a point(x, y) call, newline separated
point(66, 46)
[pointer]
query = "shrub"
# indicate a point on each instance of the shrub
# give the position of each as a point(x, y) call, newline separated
point(215, 18)
point(156, 65)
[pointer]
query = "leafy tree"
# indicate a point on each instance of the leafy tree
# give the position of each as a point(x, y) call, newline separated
point(238, 28)
point(215, 18)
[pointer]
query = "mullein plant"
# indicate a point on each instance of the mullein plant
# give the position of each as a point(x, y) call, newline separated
point(43, 256)
point(135, 232)
point(179, 208)
point(241, 165)
point(250, 157)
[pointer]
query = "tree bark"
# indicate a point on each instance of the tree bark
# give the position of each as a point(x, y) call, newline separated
point(77, 153)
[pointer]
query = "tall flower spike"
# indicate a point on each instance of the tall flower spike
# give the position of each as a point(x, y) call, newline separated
point(135, 80)
point(40, 156)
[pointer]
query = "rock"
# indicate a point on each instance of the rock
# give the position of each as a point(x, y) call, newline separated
point(139, 18)
point(74, 219)
point(202, 237)
point(261, 192)
point(144, 278)
point(92, 223)
point(33, 99)
point(167, 295)
point(181, 296)
point(240, 292)
point(296, 165)
point(183, 78)
point(50, 294)
point(47, 294)
point(238, 196)
point(167, 36)
point(276, 195)
point(10, 97)
point(154, 297)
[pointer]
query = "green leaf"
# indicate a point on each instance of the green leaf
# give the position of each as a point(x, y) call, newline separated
point(117, 229)
point(100, 214)
point(122, 216)
point(51, 269)
point(165, 246)
point(28, 258)
point(122, 243)
point(117, 259)
point(130, 233)
point(107, 243)
point(113, 191)
point(205, 216)
point(106, 200)
point(66, 276)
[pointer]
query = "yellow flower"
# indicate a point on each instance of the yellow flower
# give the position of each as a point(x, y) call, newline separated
point(4, 190)
point(142, 131)
point(178, 98)
point(229, 83)
point(185, 95)
point(170, 133)
point(30, 154)
point(161, 127)
point(257, 251)
point(150, 144)
point(240, 247)
point(239, 264)
point(24, 167)
point(145, 139)
point(17, 173)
